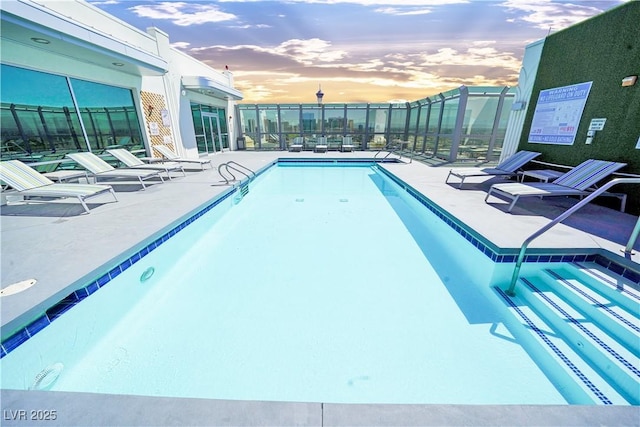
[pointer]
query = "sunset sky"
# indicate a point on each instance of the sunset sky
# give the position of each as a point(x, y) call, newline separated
point(357, 50)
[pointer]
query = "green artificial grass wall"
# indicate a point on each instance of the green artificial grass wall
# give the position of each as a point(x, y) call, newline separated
point(603, 50)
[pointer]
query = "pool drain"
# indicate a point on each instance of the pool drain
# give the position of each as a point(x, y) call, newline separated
point(47, 377)
point(146, 275)
point(17, 287)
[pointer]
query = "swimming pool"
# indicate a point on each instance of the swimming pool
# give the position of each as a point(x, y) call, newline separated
point(320, 284)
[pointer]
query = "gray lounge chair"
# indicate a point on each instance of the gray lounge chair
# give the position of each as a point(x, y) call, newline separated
point(297, 144)
point(508, 167)
point(579, 181)
point(347, 144)
point(321, 145)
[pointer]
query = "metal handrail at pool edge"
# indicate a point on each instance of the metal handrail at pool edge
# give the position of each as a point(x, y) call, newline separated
point(230, 165)
point(632, 238)
point(392, 148)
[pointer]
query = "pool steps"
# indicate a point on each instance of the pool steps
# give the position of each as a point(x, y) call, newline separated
point(586, 319)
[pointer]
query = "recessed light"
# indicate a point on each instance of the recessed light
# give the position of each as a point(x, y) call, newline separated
point(40, 40)
point(118, 64)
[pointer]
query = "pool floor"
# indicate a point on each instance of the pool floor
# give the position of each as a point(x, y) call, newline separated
point(300, 295)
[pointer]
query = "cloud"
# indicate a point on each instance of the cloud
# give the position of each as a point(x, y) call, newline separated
point(365, 2)
point(549, 15)
point(249, 26)
point(309, 51)
point(181, 45)
point(304, 52)
point(402, 12)
point(289, 71)
point(183, 13)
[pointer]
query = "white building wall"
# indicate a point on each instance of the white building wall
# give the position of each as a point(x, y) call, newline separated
point(94, 26)
point(179, 100)
point(189, 66)
point(527, 78)
point(81, 11)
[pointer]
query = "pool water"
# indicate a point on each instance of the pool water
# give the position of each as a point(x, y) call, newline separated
point(322, 284)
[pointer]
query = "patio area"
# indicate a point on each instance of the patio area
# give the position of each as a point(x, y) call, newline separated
point(62, 249)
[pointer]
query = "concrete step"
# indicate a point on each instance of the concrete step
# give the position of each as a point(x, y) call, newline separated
point(577, 380)
point(613, 360)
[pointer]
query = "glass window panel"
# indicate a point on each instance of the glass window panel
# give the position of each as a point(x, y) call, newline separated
point(414, 115)
point(269, 121)
point(479, 115)
point(422, 119)
point(198, 127)
point(334, 119)
point(38, 115)
point(269, 128)
point(429, 145)
point(378, 119)
point(248, 121)
point(311, 120)
point(444, 147)
point(112, 113)
point(377, 127)
point(434, 116)
point(290, 121)
point(398, 120)
point(449, 116)
point(196, 114)
point(224, 128)
point(356, 119)
point(504, 114)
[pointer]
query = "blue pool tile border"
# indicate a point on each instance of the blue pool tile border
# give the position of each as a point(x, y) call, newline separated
point(624, 271)
point(55, 311)
point(483, 244)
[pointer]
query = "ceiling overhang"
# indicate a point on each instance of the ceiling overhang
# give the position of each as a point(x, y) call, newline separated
point(210, 87)
point(22, 23)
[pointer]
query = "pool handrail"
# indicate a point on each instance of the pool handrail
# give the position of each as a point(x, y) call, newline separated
point(230, 165)
point(391, 148)
point(632, 238)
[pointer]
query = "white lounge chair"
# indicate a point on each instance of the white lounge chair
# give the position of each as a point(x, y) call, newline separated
point(508, 167)
point(347, 144)
point(133, 162)
point(297, 145)
point(98, 168)
point(168, 154)
point(30, 183)
point(579, 181)
point(321, 145)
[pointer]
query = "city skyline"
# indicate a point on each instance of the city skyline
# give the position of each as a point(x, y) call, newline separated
point(357, 51)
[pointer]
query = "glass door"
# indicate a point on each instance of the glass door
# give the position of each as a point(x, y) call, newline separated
point(211, 141)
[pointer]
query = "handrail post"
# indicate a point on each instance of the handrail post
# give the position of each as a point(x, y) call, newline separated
point(222, 175)
point(633, 238)
point(634, 235)
point(516, 272)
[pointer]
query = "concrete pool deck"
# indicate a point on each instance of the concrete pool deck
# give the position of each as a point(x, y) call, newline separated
point(62, 248)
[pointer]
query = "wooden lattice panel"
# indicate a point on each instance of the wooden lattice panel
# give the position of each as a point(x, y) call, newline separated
point(152, 106)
